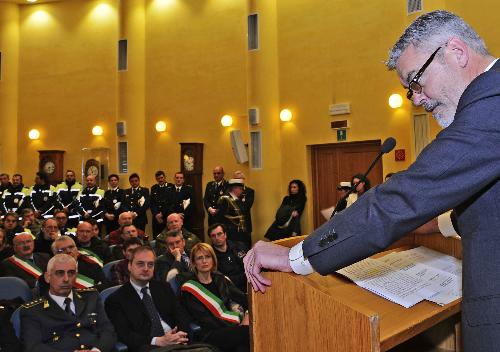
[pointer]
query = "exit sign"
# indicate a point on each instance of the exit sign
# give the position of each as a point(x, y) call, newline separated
point(341, 135)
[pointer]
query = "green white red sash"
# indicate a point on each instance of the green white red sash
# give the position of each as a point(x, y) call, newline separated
point(30, 268)
point(213, 303)
point(83, 281)
point(91, 256)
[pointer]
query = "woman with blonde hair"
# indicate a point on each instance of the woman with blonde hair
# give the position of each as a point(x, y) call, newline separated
point(215, 303)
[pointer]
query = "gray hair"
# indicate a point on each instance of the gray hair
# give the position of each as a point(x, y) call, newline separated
point(432, 30)
point(60, 258)
point(53, 246)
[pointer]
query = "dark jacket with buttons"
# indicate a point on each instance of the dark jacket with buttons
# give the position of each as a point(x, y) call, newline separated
point(47, 327)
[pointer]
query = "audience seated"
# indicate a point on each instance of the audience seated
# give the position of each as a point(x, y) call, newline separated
point(5, 249)
point(44, 239)
point(175, 222)
point(125, 218)
point(11, 226)
point(119, 271)
point(127, 232)
point(229, 255)
point(89, 274)
point(30, 222)
point(66, 319)
point(215, 303)
point(95, 249)
point(176, 260)
point(24, 264)
point(145, 312)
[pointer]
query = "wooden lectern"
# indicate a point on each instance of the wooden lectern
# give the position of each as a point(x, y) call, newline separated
point(331, 313)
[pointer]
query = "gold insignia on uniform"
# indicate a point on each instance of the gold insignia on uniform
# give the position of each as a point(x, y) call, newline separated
point(77, 295)
point(86, 289)
point(55, 338)
point(46, 304)
point(33, 303)
point(78, 324)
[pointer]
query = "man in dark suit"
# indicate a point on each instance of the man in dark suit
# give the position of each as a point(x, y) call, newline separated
point(182, 200)
point(137, 201)
point(24, 264)
point(213, 191)
point(146, 314)
point(113, 199)
point(448, 71)
point(65, 319)
point(90, 272)
point(176, 258)
point(160, 202)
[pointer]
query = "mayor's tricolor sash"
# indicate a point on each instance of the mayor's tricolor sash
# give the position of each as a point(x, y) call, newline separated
point(90, 256)
point(83, 281)
point(30, 268)
point(213, 303)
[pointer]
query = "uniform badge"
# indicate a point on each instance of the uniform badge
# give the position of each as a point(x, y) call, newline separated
point(115, 200)
point(16, 201)
point(55, 338)
point(46, 305)
point(45, 199)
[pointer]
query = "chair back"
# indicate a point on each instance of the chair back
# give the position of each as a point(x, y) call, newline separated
point(12, 287)
point(105, 293)
point(106, 269)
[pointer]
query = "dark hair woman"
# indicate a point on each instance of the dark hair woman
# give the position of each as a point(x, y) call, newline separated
point(287, 220)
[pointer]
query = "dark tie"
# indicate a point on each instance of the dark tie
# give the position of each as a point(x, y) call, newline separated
point(67, 306)
point(156, 328)
point(178, 190)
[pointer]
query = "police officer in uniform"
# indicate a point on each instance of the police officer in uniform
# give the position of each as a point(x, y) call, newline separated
point(160, 202)
point(66, 319)
point(67, 194)
point(42, 196)
point(13, 198)
point(137, 201)
point(231, 213)
point(182, 200)
point(213, 191)
point(113, 200)
point(90, 201)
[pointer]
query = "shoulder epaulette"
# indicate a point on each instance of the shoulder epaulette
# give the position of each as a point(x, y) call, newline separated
point(33, 303)
point(86, 289)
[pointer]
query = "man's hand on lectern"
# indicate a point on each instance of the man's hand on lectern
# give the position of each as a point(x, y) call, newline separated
point(265, 255)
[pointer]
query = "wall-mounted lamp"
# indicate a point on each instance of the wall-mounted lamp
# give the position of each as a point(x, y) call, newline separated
point(97, 130)
point(395, 101)
point(226, 121)
point(285, 115)
point(34, 134)
point(161, 126)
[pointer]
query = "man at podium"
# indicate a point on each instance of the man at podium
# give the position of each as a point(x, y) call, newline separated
point(447, 69)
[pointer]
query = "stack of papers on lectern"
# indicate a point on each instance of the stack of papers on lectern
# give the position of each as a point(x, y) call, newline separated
point(409, 277)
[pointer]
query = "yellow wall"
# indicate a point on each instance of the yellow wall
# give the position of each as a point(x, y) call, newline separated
point(9, 47)
point(188, 65)
point(67, 79)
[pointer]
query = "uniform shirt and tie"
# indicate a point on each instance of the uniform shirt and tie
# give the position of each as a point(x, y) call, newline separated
point(145, 296)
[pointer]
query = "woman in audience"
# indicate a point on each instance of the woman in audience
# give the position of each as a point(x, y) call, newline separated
point(215, 303)
point(287, 221)
point(363, 185)
point(5, 250)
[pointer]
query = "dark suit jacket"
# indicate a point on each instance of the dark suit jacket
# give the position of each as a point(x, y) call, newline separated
point(166, 262)
point(131, 203)
point(47, 327)
point(212, 195)
point(461, 170)
point(8, 339)
point(131, 320)
point(7, 268)
point(186, 192)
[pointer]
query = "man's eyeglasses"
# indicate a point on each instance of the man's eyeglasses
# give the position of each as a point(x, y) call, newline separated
point(414, 86)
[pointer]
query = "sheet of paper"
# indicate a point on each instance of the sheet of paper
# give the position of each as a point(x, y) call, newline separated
point(408, 277)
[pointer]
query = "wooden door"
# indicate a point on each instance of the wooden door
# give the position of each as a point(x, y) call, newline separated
point(336, 162)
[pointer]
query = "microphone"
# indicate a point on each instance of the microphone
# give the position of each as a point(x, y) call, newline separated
point(386, 147)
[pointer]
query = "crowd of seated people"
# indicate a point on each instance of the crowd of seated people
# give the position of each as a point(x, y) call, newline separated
point(71, 242)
